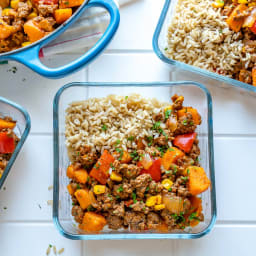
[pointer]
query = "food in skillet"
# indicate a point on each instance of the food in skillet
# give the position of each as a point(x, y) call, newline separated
point(23, 22)
point(218, 35)
point(8, 141)
point(134, 164)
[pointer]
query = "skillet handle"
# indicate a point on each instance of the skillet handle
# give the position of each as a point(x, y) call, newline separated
point(30, 56)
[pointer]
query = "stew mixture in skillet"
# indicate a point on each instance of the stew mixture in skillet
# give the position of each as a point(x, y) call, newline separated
point(8, 141)
point(134, 164)
point(23, 22)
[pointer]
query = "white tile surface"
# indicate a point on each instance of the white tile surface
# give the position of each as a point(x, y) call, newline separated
point(26, 229)
point(225, 240)
point(137, 25)
point(32, 239)
point(26, 193)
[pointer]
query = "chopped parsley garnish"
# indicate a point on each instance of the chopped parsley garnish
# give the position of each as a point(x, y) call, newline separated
point(193, 216)
point(78, 153)
point(167, 113)
point(112, 166)
point(66, 3)
point(126, 97)
point(188, 171)
point(134, 155)
point(117, 197)
point(162, 150)
point(185, 122)
point(150, 140)
point(134, 197)
point(97, 166)
point(170, 189)
point(104, 127)
point(121, 152)
point(156, 125)
point(175, 170)
point(118, 142)
point(88, 179)
point(166, 49)
point(90, 208)
point(78, 186)
point(120, 189)
point(147, 189)
point(185, 179)
point(179, 218)
point(50, 245)
point(191, 123)
point(131, 138)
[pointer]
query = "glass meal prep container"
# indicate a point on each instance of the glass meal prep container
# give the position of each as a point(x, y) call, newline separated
point(195, 95)
point(197, 74)
point(21, 116)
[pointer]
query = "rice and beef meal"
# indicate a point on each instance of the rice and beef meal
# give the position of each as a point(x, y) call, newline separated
point(8, 141)
point(134, 164)
point(219, 36)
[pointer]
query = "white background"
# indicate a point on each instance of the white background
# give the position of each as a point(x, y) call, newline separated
point(27, 229)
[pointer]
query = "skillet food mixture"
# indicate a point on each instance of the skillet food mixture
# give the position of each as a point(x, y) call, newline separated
point(8, 141)
point(23, 22)
point(218, 35)
point(134, 164)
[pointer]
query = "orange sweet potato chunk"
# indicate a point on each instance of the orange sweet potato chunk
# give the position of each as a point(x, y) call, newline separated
point(93, 222)
point(171, 156)
point(83, 197)
point(198, 181)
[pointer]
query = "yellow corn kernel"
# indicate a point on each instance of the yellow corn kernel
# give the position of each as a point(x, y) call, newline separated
point(99, 189)
point(158, 199)
point(5, 12)
point(151, 201)
point(32, 15)
point(242, 1)
point(116, 177)
point(14, 4)
point(29, 3)
point(25, 44)
point(159, 207)
point(218, 4)
point(167, 183)
point(168, 108)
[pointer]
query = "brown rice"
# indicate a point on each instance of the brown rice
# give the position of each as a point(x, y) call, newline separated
point(199, 35)
point(101, 122)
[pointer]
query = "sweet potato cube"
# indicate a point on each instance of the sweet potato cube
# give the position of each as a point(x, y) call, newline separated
point(198, 181)
point(93, 222)
point(83, 197)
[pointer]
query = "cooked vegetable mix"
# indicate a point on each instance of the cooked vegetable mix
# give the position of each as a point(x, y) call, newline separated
point(140, 182)
point(23, 22)
point(8, 141)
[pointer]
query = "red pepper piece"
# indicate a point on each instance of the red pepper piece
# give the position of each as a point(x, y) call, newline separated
point(185, 141)
point(253, 28)
point(101, 168)
point(128, 203)
point(154, 170)
point(7, 143)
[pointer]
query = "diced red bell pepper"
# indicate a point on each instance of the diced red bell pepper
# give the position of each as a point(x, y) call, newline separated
point(100, 171)
point(128, 203)
point(154, 170)
point(253, 28)
point(7, 143)
point(185, 141)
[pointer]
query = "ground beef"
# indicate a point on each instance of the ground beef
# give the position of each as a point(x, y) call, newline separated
point(136, 221)
point(180, 187)
point(245, 76)
point(185, 125)
point(195, 151)
point(153, 151)
point(140, 206)
point(158, 117)
point(177, 102)
point(155, 187)
point(123, 191)
point(168, 218)
point(78, 213)
point(128, 170)
point(153, 220)
point(24, 9)
point(140, 184)
point(118, 209)
point(161, 140)
point(46, 9)
point(87, 160)
point(114, 222)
